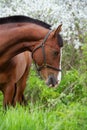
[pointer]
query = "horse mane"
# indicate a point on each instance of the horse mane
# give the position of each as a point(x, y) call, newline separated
point(60, 40)
point(21, 19)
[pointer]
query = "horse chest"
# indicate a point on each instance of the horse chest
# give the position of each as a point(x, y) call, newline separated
point(14, 70)
point(7, 72)
point(13, 74)
point(5, 77)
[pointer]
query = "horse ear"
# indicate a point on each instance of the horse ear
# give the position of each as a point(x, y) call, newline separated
point(58, 30)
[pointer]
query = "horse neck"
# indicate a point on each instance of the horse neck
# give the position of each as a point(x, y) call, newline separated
point(19, 39)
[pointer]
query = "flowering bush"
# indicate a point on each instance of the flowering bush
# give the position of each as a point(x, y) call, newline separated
point(72, 13)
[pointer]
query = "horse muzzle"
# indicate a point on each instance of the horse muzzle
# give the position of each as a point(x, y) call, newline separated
point(52, 81)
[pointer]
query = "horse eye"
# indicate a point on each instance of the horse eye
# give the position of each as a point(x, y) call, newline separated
point(56, 53)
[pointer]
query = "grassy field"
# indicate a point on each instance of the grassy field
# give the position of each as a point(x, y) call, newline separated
point(62, 117)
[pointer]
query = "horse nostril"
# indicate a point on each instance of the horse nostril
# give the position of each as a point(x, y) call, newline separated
point(52, 81)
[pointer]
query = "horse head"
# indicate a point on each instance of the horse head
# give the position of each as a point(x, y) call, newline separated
point(47, 57)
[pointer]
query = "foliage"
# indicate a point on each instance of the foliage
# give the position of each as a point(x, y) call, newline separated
point(69, 90)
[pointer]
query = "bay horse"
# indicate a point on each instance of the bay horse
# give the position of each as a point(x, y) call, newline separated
point(44, 44)
point(23, 60)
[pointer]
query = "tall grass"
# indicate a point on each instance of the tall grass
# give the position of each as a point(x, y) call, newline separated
point(71, 117)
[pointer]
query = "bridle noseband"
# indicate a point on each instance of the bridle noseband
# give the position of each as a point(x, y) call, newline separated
point(42, 45)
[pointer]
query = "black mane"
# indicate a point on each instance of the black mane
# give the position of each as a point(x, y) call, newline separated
point(60, 40)
point(20, 18)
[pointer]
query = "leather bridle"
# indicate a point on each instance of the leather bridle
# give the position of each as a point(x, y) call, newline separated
point(42, 45)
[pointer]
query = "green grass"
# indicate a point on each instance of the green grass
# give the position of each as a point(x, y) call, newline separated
point(71, 117)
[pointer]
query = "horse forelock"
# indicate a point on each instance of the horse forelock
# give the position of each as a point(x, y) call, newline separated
point(60, 40)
